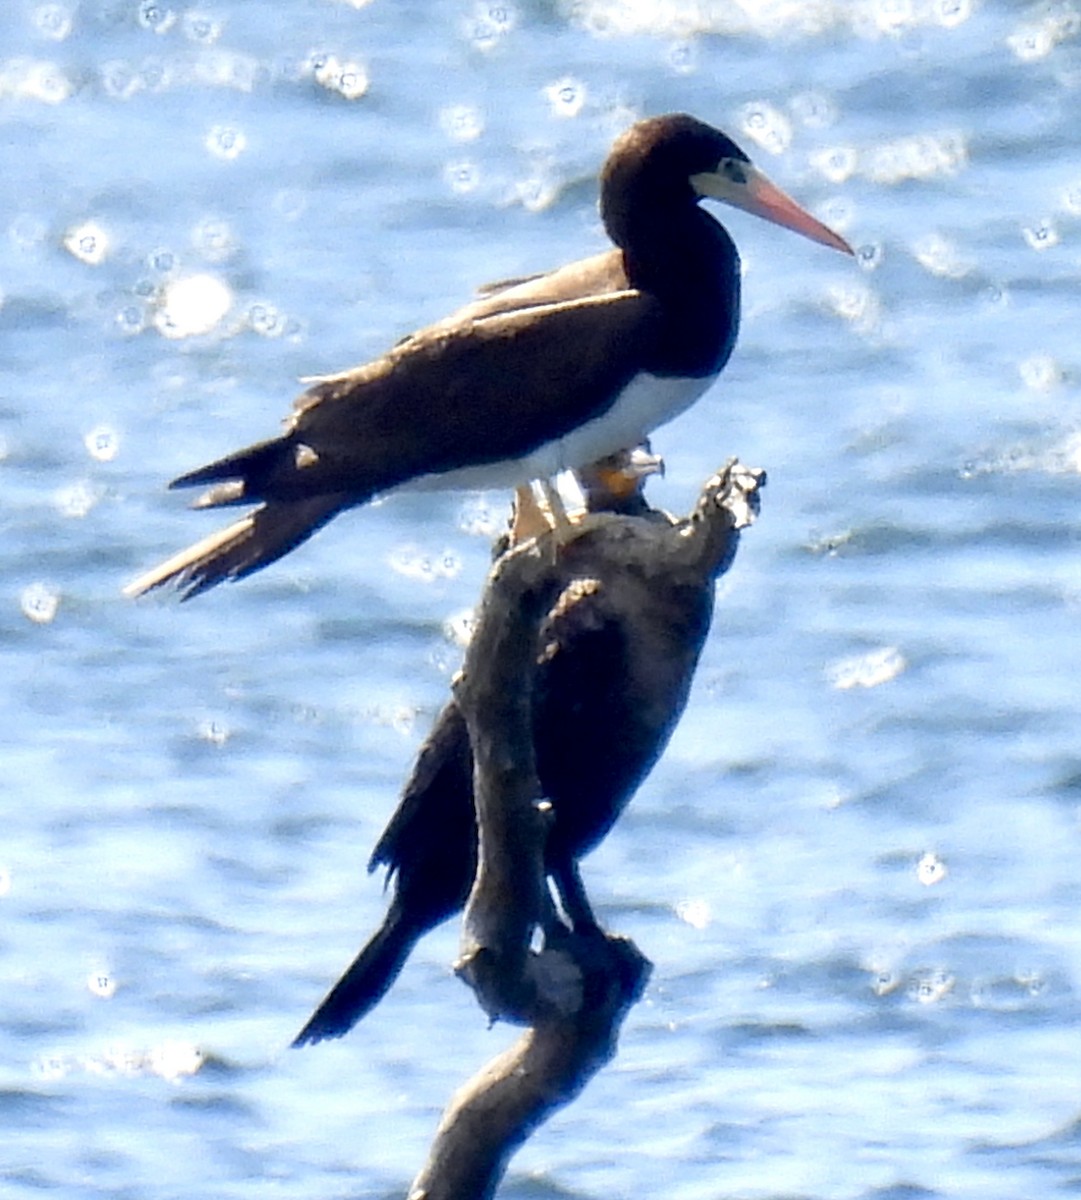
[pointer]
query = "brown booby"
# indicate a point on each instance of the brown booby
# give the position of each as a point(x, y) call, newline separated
point(616, 656)
point(536, 376)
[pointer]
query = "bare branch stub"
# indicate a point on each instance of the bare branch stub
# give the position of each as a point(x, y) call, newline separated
point(494, 1114)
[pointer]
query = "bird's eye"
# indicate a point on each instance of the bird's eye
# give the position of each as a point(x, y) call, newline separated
point(733, 170)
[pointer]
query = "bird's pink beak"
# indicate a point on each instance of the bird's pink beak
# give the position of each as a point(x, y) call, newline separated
point(747, 188)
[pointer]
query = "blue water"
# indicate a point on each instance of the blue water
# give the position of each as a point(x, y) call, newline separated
point(856, 867)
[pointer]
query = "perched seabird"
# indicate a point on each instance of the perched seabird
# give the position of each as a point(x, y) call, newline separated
point(534, 377)
point(615, 660)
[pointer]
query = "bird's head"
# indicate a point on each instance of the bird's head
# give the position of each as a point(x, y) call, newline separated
point(617, 481)
point(676, 160)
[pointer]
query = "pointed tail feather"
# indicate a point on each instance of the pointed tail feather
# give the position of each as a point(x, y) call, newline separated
point(252, 463)
point(364, 984)
point(247, 545)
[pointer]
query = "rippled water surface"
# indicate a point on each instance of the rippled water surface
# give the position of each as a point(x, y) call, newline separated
point(856, 869)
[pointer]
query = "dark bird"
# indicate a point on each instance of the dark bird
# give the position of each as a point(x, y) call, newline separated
point(534, 377)
point(615, 660)
point(614, 484)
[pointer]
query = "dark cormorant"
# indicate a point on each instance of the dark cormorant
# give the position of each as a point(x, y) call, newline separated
point(615, 660)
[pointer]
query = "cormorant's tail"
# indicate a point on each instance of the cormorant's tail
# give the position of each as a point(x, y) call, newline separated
point(265, 534)
point(364, 984)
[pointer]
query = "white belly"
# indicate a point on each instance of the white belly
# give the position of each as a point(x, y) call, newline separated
point(648, 402)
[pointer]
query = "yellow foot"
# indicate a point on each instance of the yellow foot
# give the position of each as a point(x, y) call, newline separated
point(558, 521)
point(529, 519)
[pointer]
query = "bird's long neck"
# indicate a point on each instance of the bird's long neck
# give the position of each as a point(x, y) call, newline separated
point(688, 261)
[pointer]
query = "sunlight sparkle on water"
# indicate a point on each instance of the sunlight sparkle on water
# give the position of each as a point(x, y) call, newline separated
point(696, 913)
point(35, 79)
point(119, 79)
point(951, 13)
point(1041, 236)
point(53, 21)
point(192, 306)
point(173, 1060)
point(458, 627)
point(891, 16)
point(156, 17)
point(682, 57)
point(462, 177)
point(919, 157)
point(88, 242)
point(101, 984)
point(76, 499)
point(836, 164)
point(929, 987)
point(39, 603)
point(266, 320)
point(766, 125)
point(1040, 372)
point(131, 319)
point(930, 870)
point(414, 563)
point(536, 193)
point(490, 23)
point(348, 78)
point(201, 27)
point(215, 732)
point(170, 1060)
point(867, 670)
point(225, 141)
point(565, 97)
point(855, 303)
point(1032, 42)
point(479, 518)
point(940, 256)
point(102, 443)
point(815, 110)
point(885, 981)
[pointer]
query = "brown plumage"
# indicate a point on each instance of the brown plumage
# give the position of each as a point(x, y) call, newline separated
point(536, 376)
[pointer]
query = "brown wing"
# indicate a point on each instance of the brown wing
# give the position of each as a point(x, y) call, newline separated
point(492, 381)
point(488, 387)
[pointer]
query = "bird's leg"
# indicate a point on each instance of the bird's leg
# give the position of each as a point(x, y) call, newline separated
point(553, 923)
point(573, 898)
point(560, 524)
point(530, 520)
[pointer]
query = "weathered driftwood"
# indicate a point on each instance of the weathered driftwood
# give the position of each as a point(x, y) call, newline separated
point(574, 992)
